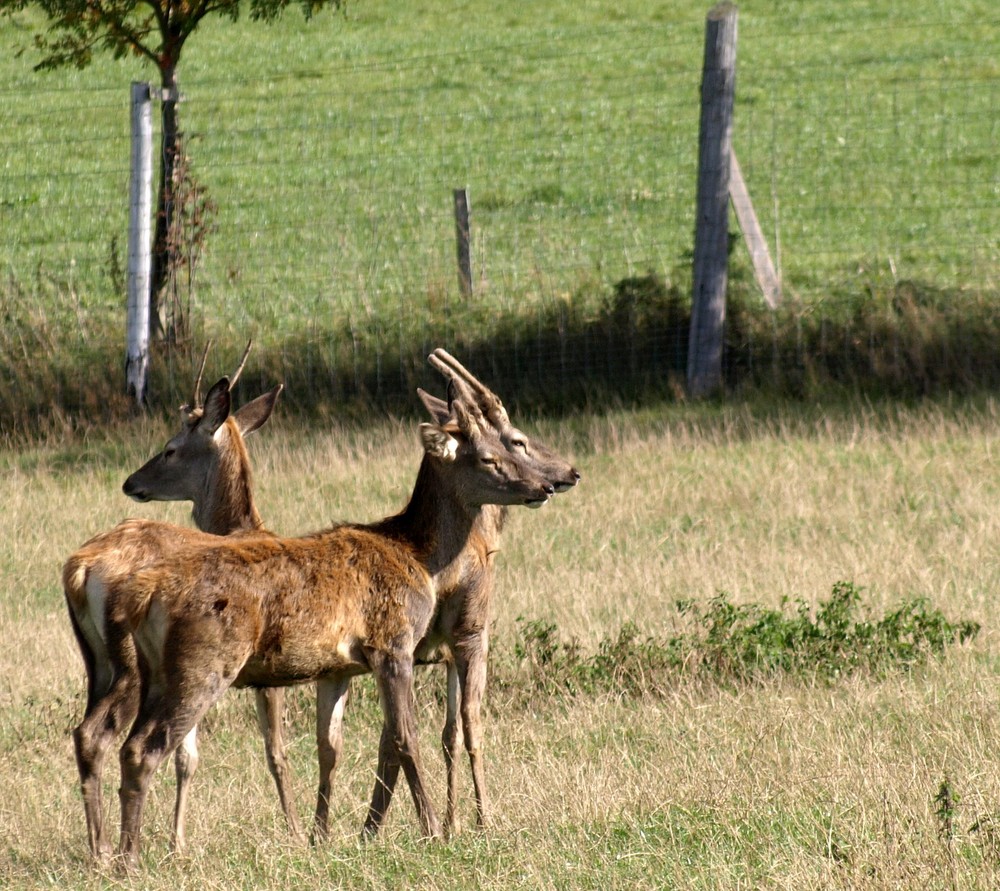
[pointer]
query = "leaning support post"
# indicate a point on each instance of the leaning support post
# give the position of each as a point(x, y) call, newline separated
point(140, 206)
point(463, 241)
point(711, 243)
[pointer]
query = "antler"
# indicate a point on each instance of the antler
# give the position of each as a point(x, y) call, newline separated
point(487, 400)
point(196, 399)
point(462, 401)
point(235, 376)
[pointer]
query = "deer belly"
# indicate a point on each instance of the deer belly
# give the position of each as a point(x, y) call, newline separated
point(294, 659)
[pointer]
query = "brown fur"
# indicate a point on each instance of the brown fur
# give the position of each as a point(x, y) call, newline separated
point(267, 611)
point(207, 463)
point(459, 633)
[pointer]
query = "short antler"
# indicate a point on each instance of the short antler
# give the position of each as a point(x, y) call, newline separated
point(196, 398)
point(235, 376)
point(488, 401)
point(463, 403)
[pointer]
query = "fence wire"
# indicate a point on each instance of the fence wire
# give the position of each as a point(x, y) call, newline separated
point(872, 166)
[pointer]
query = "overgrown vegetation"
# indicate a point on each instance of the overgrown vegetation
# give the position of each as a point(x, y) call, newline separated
point(627, 346)
point(726, 642)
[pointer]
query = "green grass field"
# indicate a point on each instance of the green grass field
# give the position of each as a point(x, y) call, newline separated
point(700, 784)
point(867, 139)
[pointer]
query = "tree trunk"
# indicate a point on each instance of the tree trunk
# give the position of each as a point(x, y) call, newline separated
point(162, 249)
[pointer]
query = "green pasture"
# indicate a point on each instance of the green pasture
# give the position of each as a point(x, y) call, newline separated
point(331, 149)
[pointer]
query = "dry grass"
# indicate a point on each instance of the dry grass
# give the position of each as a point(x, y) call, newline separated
point(783, 785)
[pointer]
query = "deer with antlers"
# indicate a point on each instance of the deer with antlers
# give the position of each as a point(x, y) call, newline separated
point(262, 611)
point(459, 633)
point(206, 463)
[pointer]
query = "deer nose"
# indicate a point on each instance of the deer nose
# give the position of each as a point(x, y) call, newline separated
point(132, 490)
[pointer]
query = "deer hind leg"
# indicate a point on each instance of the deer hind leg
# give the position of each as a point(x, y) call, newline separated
point(331, 699)
point(270, 703)
point(164, 721)
point(449, 744)
point(185, 764)
point(471, 665)
point(112, 703)
point(386, 776)
point(399, 745)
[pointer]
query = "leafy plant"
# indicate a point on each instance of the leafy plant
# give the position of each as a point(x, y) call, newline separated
point(729, 642)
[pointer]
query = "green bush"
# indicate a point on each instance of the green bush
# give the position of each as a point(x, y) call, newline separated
point(738, 643)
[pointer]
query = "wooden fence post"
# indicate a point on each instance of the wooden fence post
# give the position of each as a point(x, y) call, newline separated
point(139, 223)
point(463, 241)
point(711, 243)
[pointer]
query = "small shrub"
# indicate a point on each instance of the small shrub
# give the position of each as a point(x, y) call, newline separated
point(742, 643)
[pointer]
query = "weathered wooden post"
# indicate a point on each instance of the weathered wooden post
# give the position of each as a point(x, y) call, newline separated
point(711, 242)
point(463, 241)
point(140, 206)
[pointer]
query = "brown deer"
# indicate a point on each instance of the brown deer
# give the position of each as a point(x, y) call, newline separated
point(459, 633)
point(263, 611)
point(206, 462)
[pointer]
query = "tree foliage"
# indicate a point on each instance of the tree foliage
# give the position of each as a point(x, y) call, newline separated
point(156, 30)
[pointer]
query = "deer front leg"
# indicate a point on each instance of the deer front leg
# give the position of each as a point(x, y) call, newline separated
point(270, 702)
point(394, 676)
point(470, 662)
point(449, 744)
point(331, 699)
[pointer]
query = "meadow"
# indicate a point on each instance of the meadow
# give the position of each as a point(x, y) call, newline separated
point(778, 781)
point(868, 144)
point(866, 140)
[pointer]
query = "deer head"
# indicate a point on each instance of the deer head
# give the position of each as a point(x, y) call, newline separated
point(556, 469)
point(475, 464)
point(185, 468)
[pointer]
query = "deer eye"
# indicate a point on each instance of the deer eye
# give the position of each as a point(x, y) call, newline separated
point(521, 444)
point(169, 452)
point(489, 461)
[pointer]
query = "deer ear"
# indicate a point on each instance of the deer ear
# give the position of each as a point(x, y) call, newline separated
point(437, 408)
point(438, 442)
point(254, 414)
point(218, 403)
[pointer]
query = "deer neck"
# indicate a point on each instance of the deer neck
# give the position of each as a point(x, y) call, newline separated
point(229, 504)
point(438, 525)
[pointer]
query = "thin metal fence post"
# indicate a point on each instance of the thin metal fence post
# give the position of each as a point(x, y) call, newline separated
point(139, 249)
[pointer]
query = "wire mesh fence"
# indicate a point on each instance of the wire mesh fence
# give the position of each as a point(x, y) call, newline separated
point(869, 150)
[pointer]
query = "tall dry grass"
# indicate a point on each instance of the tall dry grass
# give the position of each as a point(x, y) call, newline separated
point(781, 785)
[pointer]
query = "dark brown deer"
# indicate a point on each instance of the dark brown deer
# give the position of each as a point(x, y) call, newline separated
point(459, 633)
point(206, 463)
point(262, 611)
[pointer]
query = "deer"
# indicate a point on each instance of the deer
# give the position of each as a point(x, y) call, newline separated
point(206, 463)
point(459, 632)
point(263, 611)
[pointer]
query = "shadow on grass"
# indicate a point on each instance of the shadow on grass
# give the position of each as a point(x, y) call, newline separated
point(623, 348)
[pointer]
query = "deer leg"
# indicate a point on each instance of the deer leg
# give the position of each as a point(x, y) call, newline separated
point(394, 676)
point(449, 743)
point(471, 664)
point(113, 694)
point(385, 782)
point(105, 717)
point(185, 764)
point(270, 702)
point(165, 720)
point(331, 698)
